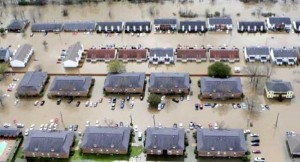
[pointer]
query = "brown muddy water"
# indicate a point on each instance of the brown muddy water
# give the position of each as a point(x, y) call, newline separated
point(273, 144)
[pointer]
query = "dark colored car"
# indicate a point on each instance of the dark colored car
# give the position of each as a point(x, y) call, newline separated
point(114, 100)
point(122, 105)
point(181, 98)
point(75, 127)
point(58, 101)
point(70, 100)
point(254, 144)
point(128, 98)
point(78, 103)
point(42, 103)
point(141, 97)
point(175, 100)
point(255, 139)
point(196, 106)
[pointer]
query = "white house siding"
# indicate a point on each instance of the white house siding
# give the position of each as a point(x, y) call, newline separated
point(17, 63)
point(70, 64)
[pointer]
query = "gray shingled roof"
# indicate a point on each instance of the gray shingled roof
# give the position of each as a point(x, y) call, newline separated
point(219, 20)
point(17, 24)
point(54, 141)
point(38, 27)
point(9, 132)
point(165, 21)
point(110, 24)
point(285, 52)
point(71, 83)
point(197, 23)
point(161, 52)
point(72, 51)
point(279, 86)
point(80, 26)
point(258, 24)
point(137, 24)
point(217, 85)
point(221, 140)
point(106, 137)
point(3, 52)
point(280, 20)
point(294, 144)
point(32, 81)
point(169, 80)
point(22, 52)
point(257, 50)
point(125, 80)
point(165, 138)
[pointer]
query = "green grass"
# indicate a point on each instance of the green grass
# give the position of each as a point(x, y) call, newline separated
point(136, 150)
point(19, 153)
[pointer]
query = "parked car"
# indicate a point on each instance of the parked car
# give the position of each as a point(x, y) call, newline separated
point(26, 132)
point(254, 135)
point(247, 131)
point(140, 136)
point(181, 98)
point(141, 97)
point(91, 104)
point(95, 104)
point(136, 128)
point(256, 151)
point(290, 133)
point(254, 143)
point(201, 106)
point(58, 101)
point(175, 100)
point(42, 103)
point(70, 100)
point(19, 125)
point(100, 100)
point(259, 159)
point(6, 125)
point(75, 127)
point(191, 125)
point(196, 106)
point(267, 107)
point(87, 103)
point(128, 98)
point(113, 106)
point(122, 105)
point(36, 103)
point(114, 100)
point(255, 139)
point(77, 103)
point(159, 107)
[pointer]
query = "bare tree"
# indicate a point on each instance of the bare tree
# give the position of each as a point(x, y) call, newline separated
point(2, 97)
point(15, 13)
point(253, 106)
point(45, 44)
point(38, 67)
point(32, 15)
point(221, 124)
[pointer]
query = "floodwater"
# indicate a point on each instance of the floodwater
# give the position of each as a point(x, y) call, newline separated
point(273, 145)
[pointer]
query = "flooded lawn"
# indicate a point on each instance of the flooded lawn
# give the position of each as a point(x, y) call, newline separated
point(273, 145)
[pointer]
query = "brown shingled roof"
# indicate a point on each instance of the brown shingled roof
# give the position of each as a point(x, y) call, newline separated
point(191, 53)
point(100, 53)
point(132, 53)
point(224, 53)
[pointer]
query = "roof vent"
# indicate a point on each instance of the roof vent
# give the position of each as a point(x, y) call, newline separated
point(95, 145)
point(154, 146)
point(36, 149)
point(112, 145)
point(212, 148)
point(52, 150)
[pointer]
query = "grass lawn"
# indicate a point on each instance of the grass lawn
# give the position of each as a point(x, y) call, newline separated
point(136, 150)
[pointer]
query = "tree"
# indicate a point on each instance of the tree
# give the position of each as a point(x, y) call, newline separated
point(253, 106)
point(45, 44)
point(38, 67)
point(2, 30)
point(154, 100)
point(3, 69)
point(116, 66)
point(219, 70)
point(2, 97)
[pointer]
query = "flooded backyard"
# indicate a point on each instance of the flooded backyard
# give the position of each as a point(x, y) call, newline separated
point(273, 144)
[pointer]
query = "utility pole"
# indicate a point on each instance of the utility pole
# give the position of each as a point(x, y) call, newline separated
point(130, 120)
point(61, 118)
point(276, 120)
point(153, 116)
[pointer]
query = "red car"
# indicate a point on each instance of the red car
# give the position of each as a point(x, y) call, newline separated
point(256, 151)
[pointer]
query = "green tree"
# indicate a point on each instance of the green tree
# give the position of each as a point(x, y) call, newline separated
point(2, 30)
point(3, 69)
point(116, 66)
point(219, 70)
point(154, 100)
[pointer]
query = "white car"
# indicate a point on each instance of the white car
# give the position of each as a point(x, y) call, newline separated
point(247, 131)
point(26, 132)
point(136, 128)
point(259, 159)
point(87, 103)
point(180, 125)
point(6, 125)
point(191, 125)
point(36, 103)
point(254, 135)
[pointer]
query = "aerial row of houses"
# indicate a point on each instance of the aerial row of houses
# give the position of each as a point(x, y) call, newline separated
point(33, 83)
point(160, 25)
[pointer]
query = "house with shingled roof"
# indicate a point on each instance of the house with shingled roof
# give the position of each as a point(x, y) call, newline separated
point(125, 83)
point(219, 23)
point(101, 54)
point(70, 86)
point(284, 56)
point(188, 26)
point(185, 54)
point(132, 54)
point(49, 144)
point(21, 56)
point(253, 54)
point(9, 132)
point(137, 27)
point(293, 144)
point(251, 26)
point(279, 89)
point(221, 143)
point(47, 27)
point(217, 88)
point(164, 141)
point(32, 83)
point(279, 23)
point(17, 25)
point(165, 25)
point(296, 25)
point(161, 55)
point(110, 27)
point(4, 54)
point(169, 83)
point(80, 26)
point(224, 54)
point(106, 140)
point(73, 55)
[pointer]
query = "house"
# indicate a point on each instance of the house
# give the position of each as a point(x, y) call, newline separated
point(165, 25)
point(49, 144)
point(164, 141)
point(296, 25)
point(221, 143)
point(80, 26)
point(32, 83)
point(191, 54)
point(47, 27)
point(251, 26)
point(101, 54)
point(279, 89)
point(169, 83)
point(196, 26)
point(279, 23)
point(110, 27)
point(125, 83)
point(9, 132)
point(138, 27)
point(224, 54)
point(105, 140)
point(219, 24)
point(76, 86)
point(284, 56)
point(21, 56)
point(73, 55)
point(161, 55)
point(132, 54)
point(253, 54)
point(216, 88)
point(4, 54)
point(17, 25)
point(293, 144)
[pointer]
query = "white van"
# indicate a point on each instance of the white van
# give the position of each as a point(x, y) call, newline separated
point(140, 136)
